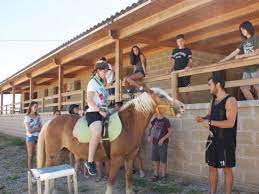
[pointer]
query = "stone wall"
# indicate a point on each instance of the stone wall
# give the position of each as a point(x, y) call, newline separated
point(187, 145)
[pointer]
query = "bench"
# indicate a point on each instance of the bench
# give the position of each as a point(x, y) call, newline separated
point(50, 173)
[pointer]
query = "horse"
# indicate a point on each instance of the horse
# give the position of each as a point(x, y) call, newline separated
point(134, 115)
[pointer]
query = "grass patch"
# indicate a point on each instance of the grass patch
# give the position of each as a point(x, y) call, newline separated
point(13, 177)
point(194, 192)
point(158, 187)
point(17, 142)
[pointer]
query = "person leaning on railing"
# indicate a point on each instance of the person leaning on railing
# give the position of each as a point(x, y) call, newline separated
point(248, 47)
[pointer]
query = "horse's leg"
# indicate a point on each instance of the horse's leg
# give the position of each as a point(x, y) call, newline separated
point(128, 174)
point(114, 169)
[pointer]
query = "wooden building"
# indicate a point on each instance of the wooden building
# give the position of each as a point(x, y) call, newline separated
point(211, 29)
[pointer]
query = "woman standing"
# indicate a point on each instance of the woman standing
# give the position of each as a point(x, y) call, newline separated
point(33, 126)
point(97, 98)
point(138, 60)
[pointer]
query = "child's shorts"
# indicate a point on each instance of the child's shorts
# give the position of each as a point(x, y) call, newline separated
point(159, 153)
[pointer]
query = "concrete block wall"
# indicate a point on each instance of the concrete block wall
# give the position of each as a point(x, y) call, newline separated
point(187, 145)
point(186, 150)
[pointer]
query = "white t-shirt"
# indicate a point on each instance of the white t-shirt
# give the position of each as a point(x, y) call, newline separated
point(110, 75)
point(34, 122)
point(100, 94)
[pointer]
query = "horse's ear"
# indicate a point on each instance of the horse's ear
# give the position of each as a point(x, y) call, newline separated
point(148, 90)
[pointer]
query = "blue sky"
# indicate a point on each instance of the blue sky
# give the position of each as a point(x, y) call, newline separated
point(54, 20)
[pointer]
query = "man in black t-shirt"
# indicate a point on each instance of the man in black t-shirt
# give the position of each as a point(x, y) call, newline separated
point(182, 61)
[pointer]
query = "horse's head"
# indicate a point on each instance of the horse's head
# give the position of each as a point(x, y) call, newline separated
point(164, 104)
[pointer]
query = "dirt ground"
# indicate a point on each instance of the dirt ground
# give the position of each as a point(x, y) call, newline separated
point(13, 176)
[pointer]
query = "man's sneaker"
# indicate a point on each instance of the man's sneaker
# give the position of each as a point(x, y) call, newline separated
point(91, 168)
point(155, 178)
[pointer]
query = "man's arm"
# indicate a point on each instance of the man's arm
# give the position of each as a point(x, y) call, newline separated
point(201, 119)
point(231, 112)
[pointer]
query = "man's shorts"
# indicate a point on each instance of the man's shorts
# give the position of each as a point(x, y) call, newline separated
point(159, 153)
point(32, 139)
point(184, 81)
point(251, 75)
point(220, 154)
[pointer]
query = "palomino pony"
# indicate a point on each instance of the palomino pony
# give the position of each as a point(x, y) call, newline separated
point(135, 116)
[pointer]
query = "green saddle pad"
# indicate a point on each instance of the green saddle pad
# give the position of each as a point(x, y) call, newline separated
point(83, 132)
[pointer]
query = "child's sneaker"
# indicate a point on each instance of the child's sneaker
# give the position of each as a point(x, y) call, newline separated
point(141, 174)
point(155, 178)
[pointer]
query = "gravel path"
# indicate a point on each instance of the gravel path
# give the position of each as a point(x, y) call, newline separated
point(13, 176)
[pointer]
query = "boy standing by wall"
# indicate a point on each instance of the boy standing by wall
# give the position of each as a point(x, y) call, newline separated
point(159, 137)
point(182, 61)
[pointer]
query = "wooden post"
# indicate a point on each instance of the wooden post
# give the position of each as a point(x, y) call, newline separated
point(42, 104)
point(13, 97)
point(174, 84)
point(60, 85)
point(21, 109)
point(2, 103)
point(31, 88)
point(83, 99)
point(118, 68)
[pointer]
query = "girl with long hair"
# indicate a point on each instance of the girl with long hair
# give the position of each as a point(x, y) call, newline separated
point(32, 122)
point(138, 61)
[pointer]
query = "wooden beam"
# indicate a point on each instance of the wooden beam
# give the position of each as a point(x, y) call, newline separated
point(151, 41)
point(113, 34)
point(47, 75)
point(161, 17)
point(220, 19)
point(217, 33)
point(60, 85)
point(218, 67)
point(229, 84)
point(118, 68)
point(56, 61)
point(87, 49)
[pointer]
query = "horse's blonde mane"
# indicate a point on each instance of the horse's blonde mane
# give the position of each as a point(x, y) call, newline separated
point(162, 92)
point(142, 103)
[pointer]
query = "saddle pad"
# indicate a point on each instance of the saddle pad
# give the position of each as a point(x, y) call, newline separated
point(83, 133)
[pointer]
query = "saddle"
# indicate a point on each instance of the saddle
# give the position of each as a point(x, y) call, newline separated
point(112, 127)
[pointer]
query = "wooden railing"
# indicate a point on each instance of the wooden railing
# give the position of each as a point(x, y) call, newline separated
point(80, 95)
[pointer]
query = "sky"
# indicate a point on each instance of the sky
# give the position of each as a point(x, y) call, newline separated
point(29, 29)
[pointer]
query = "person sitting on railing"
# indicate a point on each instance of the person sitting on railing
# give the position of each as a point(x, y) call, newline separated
point(32, 122)
point(138, 60)
point(248, 47)
point(182, 61)
point(97, 98)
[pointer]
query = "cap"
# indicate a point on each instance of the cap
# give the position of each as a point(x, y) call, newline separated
point(71, 107)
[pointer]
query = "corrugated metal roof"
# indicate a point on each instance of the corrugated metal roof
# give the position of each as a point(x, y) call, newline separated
point(108, 20)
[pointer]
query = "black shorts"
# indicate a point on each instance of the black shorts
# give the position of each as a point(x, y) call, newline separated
point(220, 154)
point(184, 81)
point(139, 71)
point(92, 117)
point(159, 153)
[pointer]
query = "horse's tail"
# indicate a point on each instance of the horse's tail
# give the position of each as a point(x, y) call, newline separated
point(41, 155)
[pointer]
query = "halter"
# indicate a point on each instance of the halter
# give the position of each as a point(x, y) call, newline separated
point(162, 106)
